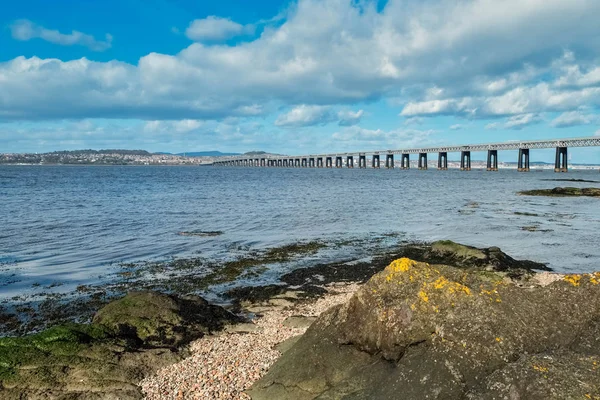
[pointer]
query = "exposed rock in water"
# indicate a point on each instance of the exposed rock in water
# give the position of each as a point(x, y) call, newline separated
point(128, 339)
point(563, 192)
point(458, 255)
point(200, 233)
point(419, 331)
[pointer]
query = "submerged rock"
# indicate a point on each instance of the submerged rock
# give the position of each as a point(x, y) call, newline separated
point(421, 331)
point(128, 339)
point(563, 192)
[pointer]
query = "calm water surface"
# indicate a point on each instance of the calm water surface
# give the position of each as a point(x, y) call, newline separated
point(69, 224)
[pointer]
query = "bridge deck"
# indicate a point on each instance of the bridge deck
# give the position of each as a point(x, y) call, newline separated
point(512, 145)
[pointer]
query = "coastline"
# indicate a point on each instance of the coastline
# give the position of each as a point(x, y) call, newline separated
point(224, 363)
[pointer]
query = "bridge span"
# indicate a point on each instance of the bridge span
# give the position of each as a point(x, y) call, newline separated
point(339, 160)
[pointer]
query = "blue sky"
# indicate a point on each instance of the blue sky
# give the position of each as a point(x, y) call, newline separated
point(297, 77)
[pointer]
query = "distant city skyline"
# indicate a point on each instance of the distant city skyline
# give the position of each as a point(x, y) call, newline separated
point(301, 77)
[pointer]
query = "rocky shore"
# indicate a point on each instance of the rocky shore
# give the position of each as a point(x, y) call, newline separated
point(563, 192)
point(438, 320)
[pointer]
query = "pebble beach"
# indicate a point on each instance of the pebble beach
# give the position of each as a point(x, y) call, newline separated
point(223, 366)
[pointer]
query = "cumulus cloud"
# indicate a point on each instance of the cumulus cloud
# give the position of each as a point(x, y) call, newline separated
point(25, 30)
point(305, 115)
point(516, 122)
point(477, 59)
point(391, 139)
point(572, 118)
point(456, 127)
point(349, 118)
point(182, 126)
point(215, 29)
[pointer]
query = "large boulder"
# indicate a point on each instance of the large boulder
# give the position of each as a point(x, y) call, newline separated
point(420, 331)
point(129, 339)
point(157, 319)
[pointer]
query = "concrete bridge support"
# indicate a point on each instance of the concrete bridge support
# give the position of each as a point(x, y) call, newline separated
point(329, 162)
point(492, 160)
point(389, 161)
point(405, 164)
point(465, 160)
point(362, 161)
point(422, 160)
point(375, 162)
point(561, 163)
point(442, 161)
point(285, 163)
point(311, 162)
point(350, 162)
point(523, 165)
point(304, 162)
point(339, 162)
point(263, 162)
point(297, 163)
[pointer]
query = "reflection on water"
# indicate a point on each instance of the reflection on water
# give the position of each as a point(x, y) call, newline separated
point(67, 224)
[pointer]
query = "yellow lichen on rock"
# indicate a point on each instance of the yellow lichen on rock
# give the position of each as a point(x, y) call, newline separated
point(573, 279)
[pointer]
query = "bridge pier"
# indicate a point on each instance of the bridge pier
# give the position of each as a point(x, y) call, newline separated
point(492, 160)
point(442, 161)
point(304, 163)
point(350, 162)
point(465, 160)
point(561, 163)
point(389, 161)
point(523, 164)
point(375, 162)
point(285, 163)
point(311, 162)
point(320, 162)
point(362, 161)
point(405, 164)
point(263, 162)
point(339, 162)
point(422, 160)
point(329, 162)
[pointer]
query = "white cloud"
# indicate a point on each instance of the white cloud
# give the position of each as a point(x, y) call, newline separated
point(597, 133)
point(516, 122)
point(214, 29)
point(305, 115)
point(349, 118)
point(396, 138)
point(25, 30)
point(456, 127)
point(182, 126)
point(477, 58)
point(572, 118)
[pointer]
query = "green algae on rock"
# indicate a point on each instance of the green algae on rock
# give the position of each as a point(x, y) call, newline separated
point(419, 331)
point(128, 339)
point(563, 192)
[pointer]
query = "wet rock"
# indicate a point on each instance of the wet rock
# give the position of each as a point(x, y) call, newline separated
point(563, 192)
point(458, 255)
point(422, 331)
point(157, 319)
point(128, 339)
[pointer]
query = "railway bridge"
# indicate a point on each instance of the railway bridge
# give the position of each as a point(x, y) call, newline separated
point(386, 158)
